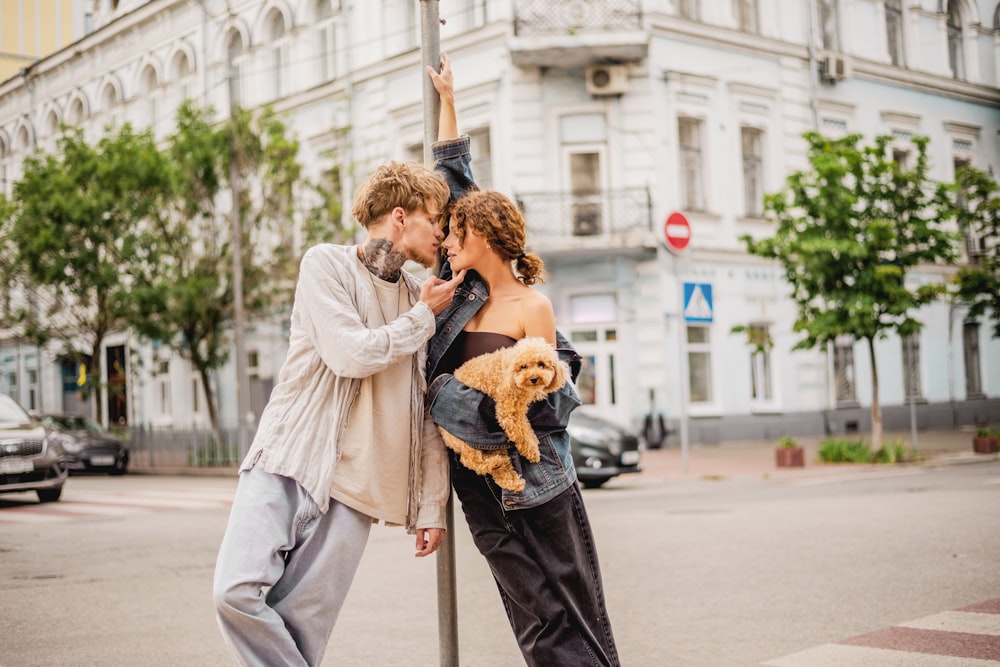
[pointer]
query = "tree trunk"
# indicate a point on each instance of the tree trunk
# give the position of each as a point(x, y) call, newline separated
point(876, 408)
point(94, 378)
point(213, 412)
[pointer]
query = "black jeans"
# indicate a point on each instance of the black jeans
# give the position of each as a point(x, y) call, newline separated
point(545, 565)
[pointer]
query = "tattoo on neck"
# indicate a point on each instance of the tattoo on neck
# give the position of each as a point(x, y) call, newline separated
point(380, 258)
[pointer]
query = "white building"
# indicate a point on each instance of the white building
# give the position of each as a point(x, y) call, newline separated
point(601, 118)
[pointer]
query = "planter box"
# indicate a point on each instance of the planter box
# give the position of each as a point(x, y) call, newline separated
point(985, 444)
point(790, 457)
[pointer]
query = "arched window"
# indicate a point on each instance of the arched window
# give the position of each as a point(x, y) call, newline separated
point(326, 36)
point(5, 187)
point(996, 18)
point(180, 72)
point(894, 31)
point(149, 86)
point(76, 112)
point(279, 54)
point(235, 55)
point(955, 60)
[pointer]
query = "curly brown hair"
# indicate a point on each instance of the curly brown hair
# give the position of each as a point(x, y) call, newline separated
point(497, 220)
point(407, 184)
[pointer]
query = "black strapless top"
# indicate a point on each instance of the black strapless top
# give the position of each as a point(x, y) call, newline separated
point(469, 344)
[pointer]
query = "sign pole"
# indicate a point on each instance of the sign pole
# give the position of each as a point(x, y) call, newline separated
point(677, 235)
point(682, 364)
point(447, 602)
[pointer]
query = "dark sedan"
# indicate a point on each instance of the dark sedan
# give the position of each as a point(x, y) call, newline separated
point(30, 456)
point(89, 446)
point(601, 449)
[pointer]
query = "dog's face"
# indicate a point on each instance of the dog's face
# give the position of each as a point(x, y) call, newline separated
point(535, 366)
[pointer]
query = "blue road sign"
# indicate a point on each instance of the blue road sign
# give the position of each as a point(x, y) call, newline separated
point(698, 302)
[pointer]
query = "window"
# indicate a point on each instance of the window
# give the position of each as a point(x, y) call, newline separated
point(955, 60)
point(583, 137)
point(279, 55)
point(843, 369)
point(401, 30)
point(745, 12)
point(688, 9)
point(689, 139)
point(32, 389)
point(195, 396)
point(164, 381)
point(585, 179)
point(181, 72)
point(235, 56)
point(327, 41)
point(699, 364)
point(970, 348)
point(911, 368)
point(829, 24)
point(894, 30)
point(759, 338)
point(482, 160)
point(975, 243)
point(149, 85)
point(901, 158)
point(753, 171)
point(475, 13)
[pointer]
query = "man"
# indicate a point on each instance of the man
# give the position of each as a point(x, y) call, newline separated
point(340, 443)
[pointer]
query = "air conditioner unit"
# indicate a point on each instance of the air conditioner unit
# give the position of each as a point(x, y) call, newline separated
point(834, 66)
point(607, 80)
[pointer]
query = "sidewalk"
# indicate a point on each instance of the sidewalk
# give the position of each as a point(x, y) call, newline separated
point(756, 458)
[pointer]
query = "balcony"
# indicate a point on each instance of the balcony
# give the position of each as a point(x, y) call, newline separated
point(570, 34)
point(603, 221)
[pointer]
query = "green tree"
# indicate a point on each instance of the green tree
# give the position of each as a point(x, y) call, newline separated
point(186, 298)
point(976, 207)
point(77, 228)
point(849, 230)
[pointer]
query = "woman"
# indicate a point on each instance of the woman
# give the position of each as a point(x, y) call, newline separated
point(538, 541)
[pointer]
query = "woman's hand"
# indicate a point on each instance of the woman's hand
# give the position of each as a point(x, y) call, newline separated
point(444, 84)
point(444, 81)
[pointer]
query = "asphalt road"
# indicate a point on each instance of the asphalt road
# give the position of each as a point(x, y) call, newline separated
point(697, 572)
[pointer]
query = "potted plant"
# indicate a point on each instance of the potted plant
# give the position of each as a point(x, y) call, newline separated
point(985, 441)
point(789, 454)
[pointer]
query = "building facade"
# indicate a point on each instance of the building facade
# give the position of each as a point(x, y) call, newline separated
point(601, 119)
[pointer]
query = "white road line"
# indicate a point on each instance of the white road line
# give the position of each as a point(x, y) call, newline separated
point(959, 621)
point(842, 655)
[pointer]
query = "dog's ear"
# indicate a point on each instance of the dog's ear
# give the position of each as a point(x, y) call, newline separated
point(559, 377)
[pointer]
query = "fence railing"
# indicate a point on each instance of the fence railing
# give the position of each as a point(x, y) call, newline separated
point(182, 448)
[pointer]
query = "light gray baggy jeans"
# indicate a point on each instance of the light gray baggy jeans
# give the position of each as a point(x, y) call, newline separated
point(283, 571)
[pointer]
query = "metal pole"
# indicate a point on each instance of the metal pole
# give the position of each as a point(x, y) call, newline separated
point(239, 318)
point(912, 393)
point(430, 27)
point(682, 366)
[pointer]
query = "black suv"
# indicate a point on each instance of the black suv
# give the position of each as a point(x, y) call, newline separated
point(31, 458)
point(601, 449)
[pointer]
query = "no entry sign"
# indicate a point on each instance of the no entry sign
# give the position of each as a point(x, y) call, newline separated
point(677, 232)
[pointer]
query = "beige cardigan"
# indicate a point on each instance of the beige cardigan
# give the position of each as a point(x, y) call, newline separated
point(329, 350)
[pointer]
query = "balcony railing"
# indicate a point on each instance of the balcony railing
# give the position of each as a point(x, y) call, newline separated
point(542, 17)
point(611, 217)
point(568, 34)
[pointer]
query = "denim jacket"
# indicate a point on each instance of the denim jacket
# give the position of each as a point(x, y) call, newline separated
point(471, 415)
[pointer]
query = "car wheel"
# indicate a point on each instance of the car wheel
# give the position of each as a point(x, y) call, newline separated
point(594, 482)
point(121, 466)
point(49, 495)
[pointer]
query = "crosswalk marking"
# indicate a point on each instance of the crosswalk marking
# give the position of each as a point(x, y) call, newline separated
point(82, 505)
point(966, 637)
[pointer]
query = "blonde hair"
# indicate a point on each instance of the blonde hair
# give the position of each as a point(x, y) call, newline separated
point(494, 217)
point(407, 184)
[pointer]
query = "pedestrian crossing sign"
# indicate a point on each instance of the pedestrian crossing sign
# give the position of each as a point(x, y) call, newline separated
point(698, 302)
